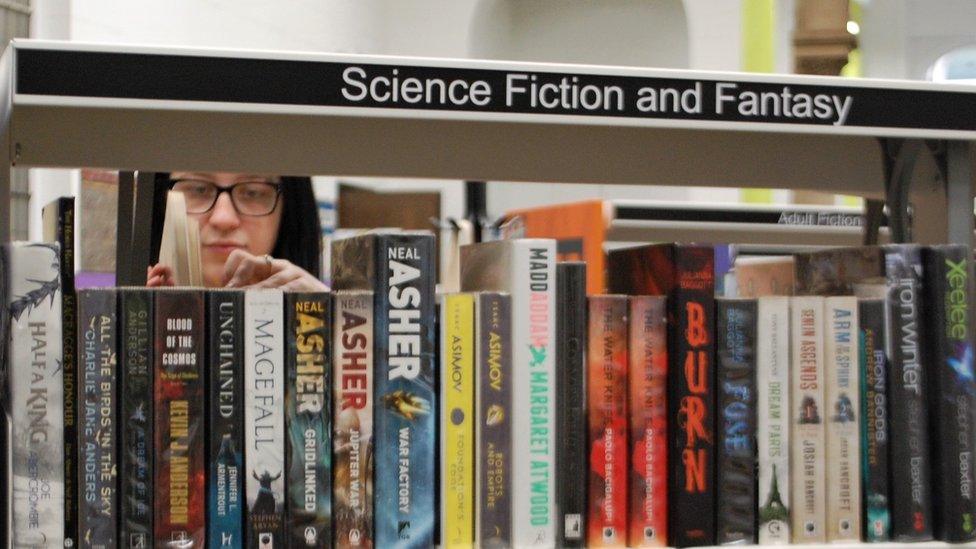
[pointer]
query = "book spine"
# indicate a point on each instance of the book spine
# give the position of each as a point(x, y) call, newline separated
point(225, 439)
point(179, 418)
point(308, 415)
point(353, 431)
point(264, 417)
point(647, 373)
point(136, 415)
point(911, 507)
point(773, 419)
point(874, 427)
point(493, 386)
point(405, 430)
point(35, 385)
point(571, 497)
point(807, 449)
point(735, 485)
point(65, 235)
point(607, 444)
point(457, 421)
point(949, 297)
point(842, 397)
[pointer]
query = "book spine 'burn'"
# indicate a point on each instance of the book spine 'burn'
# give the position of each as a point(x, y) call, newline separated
point(647, 373)
point(773, 421)
point(179, 418)
point(735, 483)
point(353, 427)
point(876, 518)
point(136, 417)
point(308, 414)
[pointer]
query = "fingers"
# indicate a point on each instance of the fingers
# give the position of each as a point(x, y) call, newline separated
point(243, 268)
point(159, 275)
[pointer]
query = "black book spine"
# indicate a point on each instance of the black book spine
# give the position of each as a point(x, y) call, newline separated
point(5, 445)
point(65, 236)
point(571, 422)
point(135, 432)
point(949, 298)
point(911, 506)
point(736, 469)
point(874, 427)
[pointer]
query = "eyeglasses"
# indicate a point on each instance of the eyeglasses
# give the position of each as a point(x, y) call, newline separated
point(251, 198)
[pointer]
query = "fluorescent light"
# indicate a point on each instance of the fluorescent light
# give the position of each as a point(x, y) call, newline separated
point(853, 28)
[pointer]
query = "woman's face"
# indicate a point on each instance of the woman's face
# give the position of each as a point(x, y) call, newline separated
point(223, 229)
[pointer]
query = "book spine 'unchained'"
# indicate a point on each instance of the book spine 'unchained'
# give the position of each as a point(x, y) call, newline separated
point(773, 419)
point(874, 425)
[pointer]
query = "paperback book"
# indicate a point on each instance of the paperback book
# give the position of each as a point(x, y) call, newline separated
point(773, 419)
point(874, 427)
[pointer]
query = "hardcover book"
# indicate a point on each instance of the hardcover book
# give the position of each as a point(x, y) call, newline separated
point(874, 427)
point(773, 419)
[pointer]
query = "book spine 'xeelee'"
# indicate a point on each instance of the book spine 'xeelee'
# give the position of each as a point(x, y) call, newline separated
point(874, 427)
point(773, 419)
point(136, 417)
point(308, 404)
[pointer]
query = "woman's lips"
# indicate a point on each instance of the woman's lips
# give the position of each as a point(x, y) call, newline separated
point(222, 248)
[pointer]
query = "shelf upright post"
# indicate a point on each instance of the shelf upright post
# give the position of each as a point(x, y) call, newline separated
point(959, 192)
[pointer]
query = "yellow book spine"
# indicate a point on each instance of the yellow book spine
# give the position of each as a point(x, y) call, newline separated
point(457, 421)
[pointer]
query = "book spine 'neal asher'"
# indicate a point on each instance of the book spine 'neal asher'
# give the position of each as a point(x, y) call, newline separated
point(874, 425)
point(179, 416)
point(352, 474)
point(773, 421)
point(225, 439)
point(308, 411)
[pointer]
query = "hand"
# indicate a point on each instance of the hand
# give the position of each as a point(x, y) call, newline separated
point(159, 275)
point(245, 270)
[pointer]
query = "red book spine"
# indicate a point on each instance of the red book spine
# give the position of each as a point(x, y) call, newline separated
point(607, 416)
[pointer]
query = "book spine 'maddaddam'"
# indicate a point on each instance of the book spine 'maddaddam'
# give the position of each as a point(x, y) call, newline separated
point(911, 506)
point(773, 419)
point(735, 483)
point(842, 396)
point(807, 448)
point(136, 417)
point(405, 427)
point(179, 361)
point(571, 403)
point(353, 428)
point(949, 298)
point(264, 417)
point(647, 373)
point(874, 425)
point(308, 411)
point(493, 400)
point(225, 403)
point(457, 421)
point(35, 386)
point(607, 444)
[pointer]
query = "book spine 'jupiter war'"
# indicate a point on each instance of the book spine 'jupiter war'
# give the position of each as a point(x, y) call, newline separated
point(225, 443)
point(353, 430)
point(949, 298)
point(179, 416)
point(874, 424)
point(136, 417)
point(33, 309)
point(735, 483)
point(911, 507)
point(647, 373)
point(308, 405)
point(264, 421)
point(773, 421)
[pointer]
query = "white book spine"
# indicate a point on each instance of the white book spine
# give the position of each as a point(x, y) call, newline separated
point(36, 395)
point(808, 438)
point(773, 398)
point(843, 419)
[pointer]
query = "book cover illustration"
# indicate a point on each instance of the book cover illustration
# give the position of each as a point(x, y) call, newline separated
point(876, 519)
point(773, 419)
point(836, 271)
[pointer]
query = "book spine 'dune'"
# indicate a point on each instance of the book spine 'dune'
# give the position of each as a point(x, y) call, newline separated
point(179, 418)
point(308, 411)
point(773, 419)
point(874, 425)
point(735, 484)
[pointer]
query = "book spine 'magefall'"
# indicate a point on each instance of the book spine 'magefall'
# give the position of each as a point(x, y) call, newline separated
point(874, 425)
point(807, 444)
point(571, 403)
point(607, 444)
point(136, 418)
point(949, 298)
point(178, 343)
point(225, 403)
point(493, 400)
point(405, 427)
point(353, 429)
point(911, 506)
point(264, 417)
point(457, 421)
point(773, 419)
point(308, 418)
point(647, 372)
point(842, 395)
point(735, 482)
point(35, 389)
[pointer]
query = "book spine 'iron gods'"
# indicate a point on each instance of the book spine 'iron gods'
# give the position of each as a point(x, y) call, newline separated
point(773, 419)
point(874, 425)
point(136, 417)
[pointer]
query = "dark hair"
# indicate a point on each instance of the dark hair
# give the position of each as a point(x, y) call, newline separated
point(299, 235)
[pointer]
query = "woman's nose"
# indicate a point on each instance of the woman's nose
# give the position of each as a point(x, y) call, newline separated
point(224, 215)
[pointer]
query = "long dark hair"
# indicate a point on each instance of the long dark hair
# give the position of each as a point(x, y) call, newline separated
point(299, 235)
